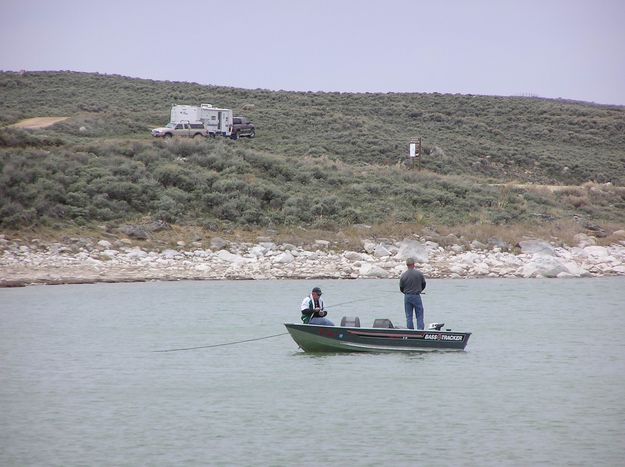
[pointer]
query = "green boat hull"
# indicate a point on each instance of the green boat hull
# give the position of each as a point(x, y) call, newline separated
point(316, 338)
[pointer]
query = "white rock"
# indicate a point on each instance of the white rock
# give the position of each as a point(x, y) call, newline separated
point(543, 266)
point(536, 247)
point(105, 244)
point(368, 246)
point(457, 248)
point(258, 250)
point(225, 255)
point(170, 254)
point(457, 268)
point(596, 252)
point(481, 269)
point(584, 240)
point(136, 254)
point(284, 258)
point(575, 269)
point(381, 251)
point(353, 256)
point(372, 270)
point(110, 253)
point(477, 245)
point(218, 243)
point(413, 249)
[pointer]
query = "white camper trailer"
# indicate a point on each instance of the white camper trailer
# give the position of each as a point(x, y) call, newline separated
point(217, 121)
point(180, 113)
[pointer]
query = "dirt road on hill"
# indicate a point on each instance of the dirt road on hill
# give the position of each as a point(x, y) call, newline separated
point(38, 122)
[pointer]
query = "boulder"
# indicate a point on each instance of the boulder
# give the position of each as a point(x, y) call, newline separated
point(284, 258)
point(136, 253)
point(413, 249)
point(353, 256)
point(225, 255)
point(597, 252)
point(218, 243)
point(170, 254)
point(536, 247)
point(457, 248)
point(105, 244)
point(468, 258)
point(381, 251)
point(369, 246)
point(543, 266)
point(372, 270)
point(584, 240)
point(498, 243)
point(257, 251)
point(477, 245)
point(134, 231)
point(110, 253)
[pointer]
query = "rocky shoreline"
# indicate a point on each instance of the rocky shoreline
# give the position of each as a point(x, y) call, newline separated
point(87, 260)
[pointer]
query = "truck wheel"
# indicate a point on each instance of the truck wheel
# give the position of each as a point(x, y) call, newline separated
point(252, 133)
point(167, 135)
point(197, 134)
point(235, 135)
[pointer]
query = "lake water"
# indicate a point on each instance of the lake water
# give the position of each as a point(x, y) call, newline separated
point(542, 381)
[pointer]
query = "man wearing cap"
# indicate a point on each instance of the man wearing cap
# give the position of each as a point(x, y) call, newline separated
point(411, 284)
point(312, 309)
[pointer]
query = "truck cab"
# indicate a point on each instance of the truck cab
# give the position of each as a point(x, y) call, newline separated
point(241, 126)
point(184, 129)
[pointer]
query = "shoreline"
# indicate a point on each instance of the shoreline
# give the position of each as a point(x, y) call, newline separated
point(83, 260)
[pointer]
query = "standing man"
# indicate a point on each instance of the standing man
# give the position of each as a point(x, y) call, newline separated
point(312, 309)
point(411, 284)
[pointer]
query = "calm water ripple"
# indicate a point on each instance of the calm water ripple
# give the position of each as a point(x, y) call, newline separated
point(542, 380)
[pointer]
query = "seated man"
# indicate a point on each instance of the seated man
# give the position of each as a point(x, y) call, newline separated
point(312, 309)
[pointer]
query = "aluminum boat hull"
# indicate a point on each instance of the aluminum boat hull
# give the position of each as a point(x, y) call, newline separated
point(316, 338)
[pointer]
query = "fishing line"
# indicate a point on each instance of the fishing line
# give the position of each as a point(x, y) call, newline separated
point(221, 345)
point(257, 338)
point(357, 300)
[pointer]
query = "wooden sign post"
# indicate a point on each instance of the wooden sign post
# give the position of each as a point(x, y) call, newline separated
point(414, 153)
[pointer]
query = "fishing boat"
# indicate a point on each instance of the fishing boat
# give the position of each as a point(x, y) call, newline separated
point(382, 337)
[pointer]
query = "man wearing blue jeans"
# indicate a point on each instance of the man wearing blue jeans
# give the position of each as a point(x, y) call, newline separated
point(411, 284)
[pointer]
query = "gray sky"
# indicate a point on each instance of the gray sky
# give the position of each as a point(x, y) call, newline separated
point(573, 49)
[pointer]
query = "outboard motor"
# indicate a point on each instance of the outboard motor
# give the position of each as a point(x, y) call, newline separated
point(350, 321)
point(435, 326)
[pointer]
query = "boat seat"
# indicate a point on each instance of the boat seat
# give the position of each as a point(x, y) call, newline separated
point(350, 321)
point(382, 323)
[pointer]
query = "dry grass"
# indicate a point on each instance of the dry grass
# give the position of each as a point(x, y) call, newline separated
point(560, 232)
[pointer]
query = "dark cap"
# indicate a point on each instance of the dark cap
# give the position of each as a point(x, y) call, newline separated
point(317, 290)
point(409, 261)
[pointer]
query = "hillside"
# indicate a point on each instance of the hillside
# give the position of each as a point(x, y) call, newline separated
point(320, 160)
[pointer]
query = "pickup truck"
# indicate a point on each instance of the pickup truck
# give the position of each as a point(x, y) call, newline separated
point(184, 129)
point(241, 126)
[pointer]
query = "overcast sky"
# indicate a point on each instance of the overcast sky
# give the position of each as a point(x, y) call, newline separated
point(574, 49)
